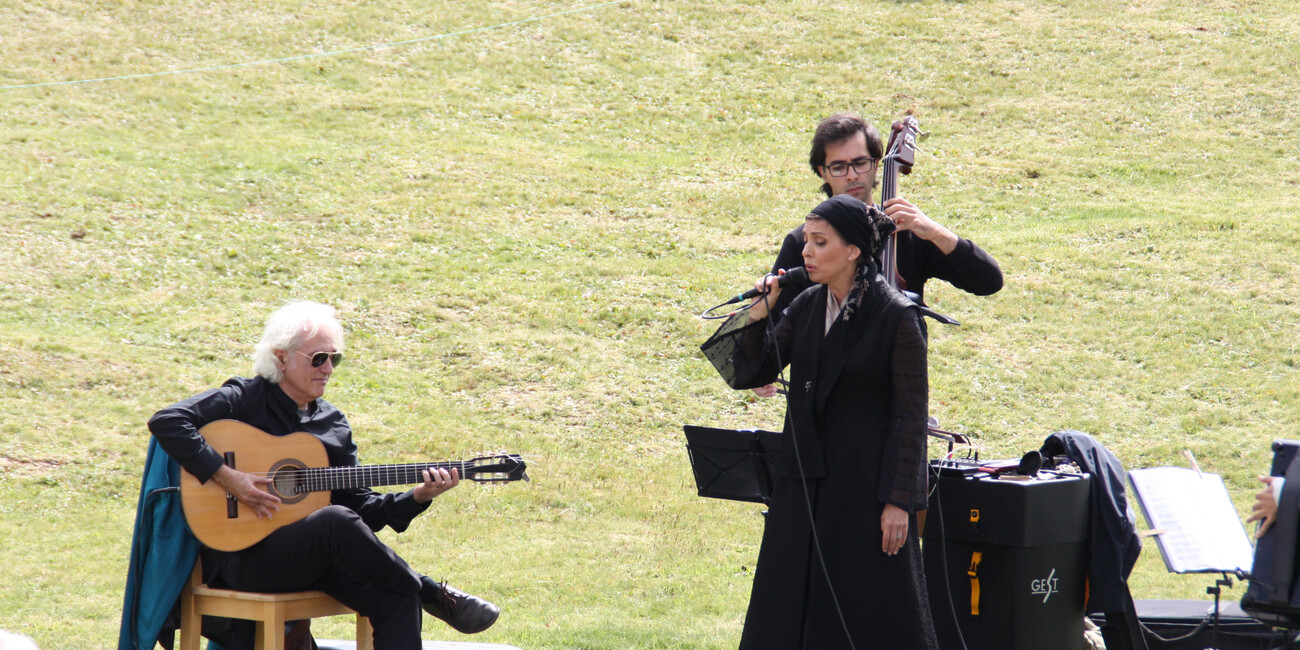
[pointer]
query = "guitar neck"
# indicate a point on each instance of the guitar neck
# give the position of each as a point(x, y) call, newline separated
point(320, 479)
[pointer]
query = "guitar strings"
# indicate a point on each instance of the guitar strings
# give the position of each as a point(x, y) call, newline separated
point(477, 463)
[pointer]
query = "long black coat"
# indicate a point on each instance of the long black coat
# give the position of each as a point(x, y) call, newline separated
point(856, 412)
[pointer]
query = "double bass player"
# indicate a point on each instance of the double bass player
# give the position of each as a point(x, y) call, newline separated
point(846, 154)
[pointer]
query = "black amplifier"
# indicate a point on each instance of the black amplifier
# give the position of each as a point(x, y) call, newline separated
point(1004, 559)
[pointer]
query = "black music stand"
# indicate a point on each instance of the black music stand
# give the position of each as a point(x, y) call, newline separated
point(731, 464)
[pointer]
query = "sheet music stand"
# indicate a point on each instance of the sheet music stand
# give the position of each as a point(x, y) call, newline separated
point(1197, 527)
point(732, 464)
point(1193, 510)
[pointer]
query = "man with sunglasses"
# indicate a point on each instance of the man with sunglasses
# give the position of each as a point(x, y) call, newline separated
point(335, 548)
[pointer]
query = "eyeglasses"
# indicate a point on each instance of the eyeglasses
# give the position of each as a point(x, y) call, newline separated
point(860, 165)
point(318, 359)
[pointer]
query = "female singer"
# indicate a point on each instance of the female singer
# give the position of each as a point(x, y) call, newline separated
point(840, 564)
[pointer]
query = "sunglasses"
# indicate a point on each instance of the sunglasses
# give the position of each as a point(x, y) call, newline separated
point(319, 359)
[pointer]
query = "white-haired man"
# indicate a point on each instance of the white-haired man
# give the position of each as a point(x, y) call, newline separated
point(335, 548)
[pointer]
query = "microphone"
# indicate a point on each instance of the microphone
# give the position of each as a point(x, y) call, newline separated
point(796, 274)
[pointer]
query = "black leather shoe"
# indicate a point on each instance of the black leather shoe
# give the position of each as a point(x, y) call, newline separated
point(465, 613)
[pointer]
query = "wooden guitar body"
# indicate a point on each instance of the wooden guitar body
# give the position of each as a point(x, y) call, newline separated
point(206, 506)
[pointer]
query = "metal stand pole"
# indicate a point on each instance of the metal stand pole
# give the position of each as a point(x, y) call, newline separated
point(1215, 591)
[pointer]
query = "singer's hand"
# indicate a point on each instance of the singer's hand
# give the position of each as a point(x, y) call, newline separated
point(893, 529)
point(770, 289)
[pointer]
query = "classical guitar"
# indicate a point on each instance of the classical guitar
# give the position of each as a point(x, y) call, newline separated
point(301, 477)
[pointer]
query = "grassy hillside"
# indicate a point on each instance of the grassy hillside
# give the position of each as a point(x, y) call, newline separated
point(520, 224)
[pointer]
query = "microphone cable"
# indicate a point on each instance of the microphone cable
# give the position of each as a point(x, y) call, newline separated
point(943, 555)
point(796, 275)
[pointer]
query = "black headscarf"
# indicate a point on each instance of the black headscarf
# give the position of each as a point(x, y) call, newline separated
point(863, 226)
point(855, 222)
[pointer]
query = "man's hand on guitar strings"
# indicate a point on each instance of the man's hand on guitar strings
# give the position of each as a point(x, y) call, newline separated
point(436, 481)
point(249, 489)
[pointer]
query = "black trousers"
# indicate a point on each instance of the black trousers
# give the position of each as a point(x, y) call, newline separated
point(334, 551)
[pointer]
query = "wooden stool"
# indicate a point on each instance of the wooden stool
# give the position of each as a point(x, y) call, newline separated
point(271, 611)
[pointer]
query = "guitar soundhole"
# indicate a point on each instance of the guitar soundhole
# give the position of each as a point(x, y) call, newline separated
point(286, 481)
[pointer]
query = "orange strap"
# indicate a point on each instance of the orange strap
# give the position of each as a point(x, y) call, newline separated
point(975, 558)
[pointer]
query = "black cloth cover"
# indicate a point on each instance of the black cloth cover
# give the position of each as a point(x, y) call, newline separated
point(1114, 545)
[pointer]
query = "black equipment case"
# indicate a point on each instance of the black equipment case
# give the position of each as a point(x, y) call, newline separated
point(1004, 559)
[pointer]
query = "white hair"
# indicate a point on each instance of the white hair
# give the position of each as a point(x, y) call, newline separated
point(12, 641)
point(287, 328)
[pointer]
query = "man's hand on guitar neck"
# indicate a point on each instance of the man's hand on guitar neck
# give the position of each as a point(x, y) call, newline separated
point(436, 481)
point(247, 489)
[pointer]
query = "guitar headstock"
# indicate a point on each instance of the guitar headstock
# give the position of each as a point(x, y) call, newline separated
point(902, 143)
point(496, 469)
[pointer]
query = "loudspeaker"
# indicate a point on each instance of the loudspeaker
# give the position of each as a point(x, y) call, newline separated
point(1004, 560)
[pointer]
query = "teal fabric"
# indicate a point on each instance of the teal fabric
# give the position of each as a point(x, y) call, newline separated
point(163, 552)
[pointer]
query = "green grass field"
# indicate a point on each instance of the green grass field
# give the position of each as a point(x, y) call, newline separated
point(520, 225)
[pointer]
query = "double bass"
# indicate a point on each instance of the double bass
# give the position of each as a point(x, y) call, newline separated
point(900, 156)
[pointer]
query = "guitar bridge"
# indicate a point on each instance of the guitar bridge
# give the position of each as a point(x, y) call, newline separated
point(232, 504)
